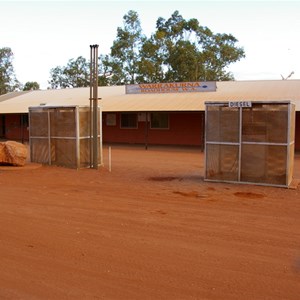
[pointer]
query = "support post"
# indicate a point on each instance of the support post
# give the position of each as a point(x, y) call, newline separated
point(91, 118)
point(146, 131)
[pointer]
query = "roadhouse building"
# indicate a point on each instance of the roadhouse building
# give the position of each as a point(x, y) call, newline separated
point(149, 114)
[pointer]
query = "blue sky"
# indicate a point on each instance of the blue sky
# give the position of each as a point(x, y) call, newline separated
point(46, 34)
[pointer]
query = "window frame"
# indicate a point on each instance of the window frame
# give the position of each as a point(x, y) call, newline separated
point(160, 128)
point(129, 113)
point(111, 119)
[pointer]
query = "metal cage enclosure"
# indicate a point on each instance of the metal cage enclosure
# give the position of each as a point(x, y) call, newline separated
point(250, 142)
point(62, 136)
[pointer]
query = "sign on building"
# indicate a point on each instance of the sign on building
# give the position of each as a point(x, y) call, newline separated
point(173, 87)
point(240, 104)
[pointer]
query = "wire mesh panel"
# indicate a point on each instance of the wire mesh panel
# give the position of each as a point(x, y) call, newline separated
point(84, 118)
point(222, 124)
point(290, 166)
point(267, 123)
point(63, 122)
point(222, 162)
point(264, 164)
point(39, 123)
point(39, 150)
point(85, 153)
point(252, 143)
point(61, 136)
point(63, 152)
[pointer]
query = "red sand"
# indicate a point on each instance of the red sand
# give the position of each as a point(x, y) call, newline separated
point(150, 229)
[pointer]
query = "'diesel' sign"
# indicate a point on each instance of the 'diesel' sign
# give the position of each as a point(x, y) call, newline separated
point(240, 104)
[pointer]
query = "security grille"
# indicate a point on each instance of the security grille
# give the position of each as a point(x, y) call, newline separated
point(61, 136)
point(250, 142)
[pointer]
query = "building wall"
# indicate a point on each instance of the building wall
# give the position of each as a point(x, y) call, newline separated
point(15, 127)
point(185, 128)
point(2, 126)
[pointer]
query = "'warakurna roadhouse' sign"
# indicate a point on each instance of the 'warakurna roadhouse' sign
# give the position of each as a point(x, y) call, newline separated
point(175, 87)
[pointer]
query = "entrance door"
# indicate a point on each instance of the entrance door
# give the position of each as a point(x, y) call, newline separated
point(2, 126)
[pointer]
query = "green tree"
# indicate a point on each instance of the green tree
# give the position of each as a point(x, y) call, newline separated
point(104, 70)
point(74, 74)
point(192, 52)
point(31, 85)
point(179, 50)
point(125, 51)
point(151, 63)
point(8, 80)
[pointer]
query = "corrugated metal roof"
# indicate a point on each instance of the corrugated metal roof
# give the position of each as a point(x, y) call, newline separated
point(12, 95)
point(114, 98)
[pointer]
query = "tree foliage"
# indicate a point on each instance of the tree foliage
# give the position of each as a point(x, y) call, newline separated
point(74, 74)
point(105, 70)
point(8, 80)
point(125, 51)
point(178, 50)
point(31, 86)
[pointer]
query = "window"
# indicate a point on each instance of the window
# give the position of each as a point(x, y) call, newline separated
point(159, 121)
point(128, 120)
point(24, 120)
point(111, 120)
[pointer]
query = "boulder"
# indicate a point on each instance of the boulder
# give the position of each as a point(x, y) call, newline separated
point(13, 153)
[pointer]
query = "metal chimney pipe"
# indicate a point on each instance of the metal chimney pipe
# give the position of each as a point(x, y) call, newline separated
point(94, 99)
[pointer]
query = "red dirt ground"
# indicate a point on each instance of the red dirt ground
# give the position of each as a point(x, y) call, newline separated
point(150, 229)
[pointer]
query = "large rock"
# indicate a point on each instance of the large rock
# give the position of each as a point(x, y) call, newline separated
point(13, 153)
